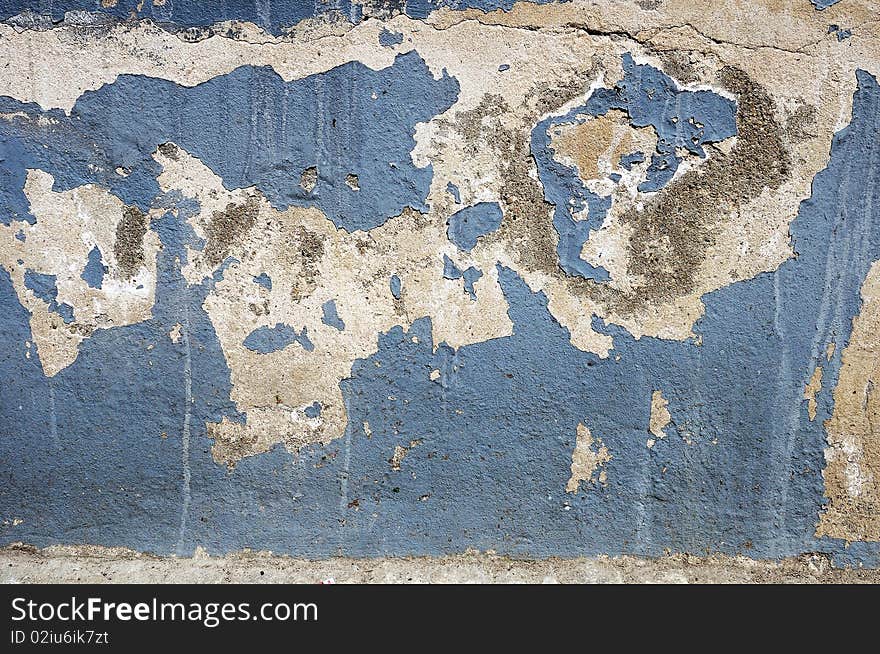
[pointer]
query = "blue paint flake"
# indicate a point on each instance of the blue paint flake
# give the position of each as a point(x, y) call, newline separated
point(394, 284)
point(470, 275)
point(822, 5)
point(41, 284)
point(274, 17)
point(452, 189)
point(682, 119)
point(20, 235)
point(264, 280)
point(94, 271)
point(503, 67)
point(389, 39)
point(468, 224)
point(313, 410)
point(450, 270)
point(331, 317)
point(272, 339)
point(628, 160)
point(841, 33)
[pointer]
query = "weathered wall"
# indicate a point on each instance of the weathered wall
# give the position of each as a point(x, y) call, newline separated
point(391, 278)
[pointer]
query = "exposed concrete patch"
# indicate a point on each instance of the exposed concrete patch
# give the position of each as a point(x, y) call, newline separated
point(309, 179)
point(585, 460)
point(82, 565)
point(721, 220)
point(400, 453)
point(70, 224)
point(810, 391)
point(175, 333)
point(312, 262)
point(660, 417)
point(852, 474)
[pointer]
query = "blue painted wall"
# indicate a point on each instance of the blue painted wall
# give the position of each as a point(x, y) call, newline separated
point(84, 460)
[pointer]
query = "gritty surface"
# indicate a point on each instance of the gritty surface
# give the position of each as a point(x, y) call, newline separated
point(546, 279)
point(90, 565)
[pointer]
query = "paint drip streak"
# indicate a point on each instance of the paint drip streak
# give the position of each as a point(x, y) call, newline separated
point(187, 412)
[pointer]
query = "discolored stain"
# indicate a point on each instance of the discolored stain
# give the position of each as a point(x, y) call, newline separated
point(584, 143)
point(227, 226)
point(852, 471)
point(678, 65)
point(305, 251)
point(801, 124)
point(309, 179)
point(129, 245)
point(672, 233)
point(169, 150)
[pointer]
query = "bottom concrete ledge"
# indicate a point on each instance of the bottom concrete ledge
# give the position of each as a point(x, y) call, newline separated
point(88, 564)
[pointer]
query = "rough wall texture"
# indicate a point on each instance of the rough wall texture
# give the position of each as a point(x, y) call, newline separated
point(397, 278)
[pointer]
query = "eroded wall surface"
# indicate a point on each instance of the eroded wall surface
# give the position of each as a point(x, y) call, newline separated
point(370, 277)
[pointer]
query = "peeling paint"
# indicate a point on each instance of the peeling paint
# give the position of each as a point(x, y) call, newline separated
point(586, 460)
point(660, 416)
point(852, 473)
point(810, 391)
point(371, 269)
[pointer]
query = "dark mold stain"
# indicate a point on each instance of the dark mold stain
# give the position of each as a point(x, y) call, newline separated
point(309, 179)
point(677, 64)
point(169, 150)
point(307, 250)
point(672, 234)
point(129, 245)
point(677, 226)
point(801, 124)
point(227, 226)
